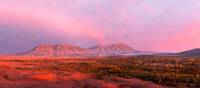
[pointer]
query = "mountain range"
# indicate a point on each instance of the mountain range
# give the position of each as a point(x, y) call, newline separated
point(115, 49)
point(71, 50)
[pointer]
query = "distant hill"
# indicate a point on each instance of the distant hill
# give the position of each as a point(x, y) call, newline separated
point(193, 52)
point(71, 50)
point(113, 49)
point(57, 50)
point(116, 49)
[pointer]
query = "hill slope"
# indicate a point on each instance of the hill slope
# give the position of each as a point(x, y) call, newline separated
point(57, 50)
point(71, 50)
point(193, 52)
point(113, 49)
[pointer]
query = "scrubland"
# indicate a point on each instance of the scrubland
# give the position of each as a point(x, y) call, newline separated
point(105, 72)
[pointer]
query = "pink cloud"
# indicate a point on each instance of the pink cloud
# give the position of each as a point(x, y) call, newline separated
point(184, 40)
point(143, 24)
point(61, 25)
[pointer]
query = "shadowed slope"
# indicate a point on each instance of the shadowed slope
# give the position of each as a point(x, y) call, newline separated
point(193, 52)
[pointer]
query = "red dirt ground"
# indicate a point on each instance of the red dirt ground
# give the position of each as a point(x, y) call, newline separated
point(10, 77)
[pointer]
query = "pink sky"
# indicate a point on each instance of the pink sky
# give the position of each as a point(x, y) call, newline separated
point(170, 25)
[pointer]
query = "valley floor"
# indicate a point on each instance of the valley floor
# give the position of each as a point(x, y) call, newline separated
point(109, 72)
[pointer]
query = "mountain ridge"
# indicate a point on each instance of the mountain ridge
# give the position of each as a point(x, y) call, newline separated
point(192, 52)
point(71, 50)
point(115, 49)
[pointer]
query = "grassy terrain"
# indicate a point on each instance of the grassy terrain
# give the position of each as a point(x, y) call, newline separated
point(165, 70)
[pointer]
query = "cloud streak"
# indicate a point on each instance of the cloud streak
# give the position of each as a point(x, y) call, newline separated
point(143, 24)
